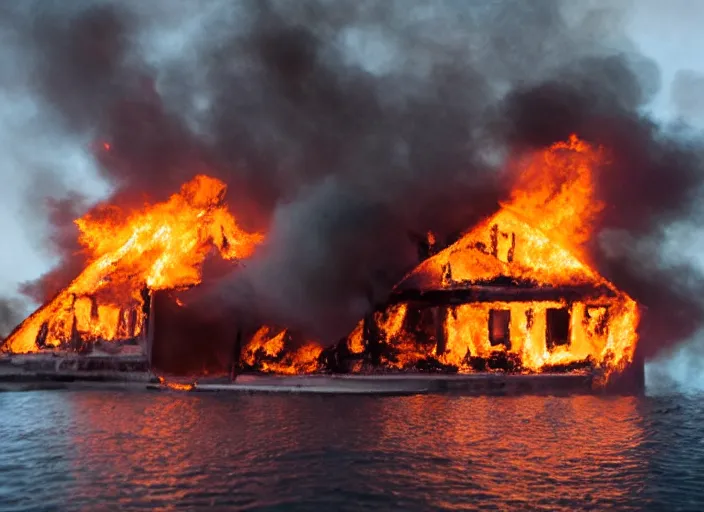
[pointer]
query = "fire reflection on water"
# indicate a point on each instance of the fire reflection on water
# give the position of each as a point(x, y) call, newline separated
point(517, 450)
point(410, 453)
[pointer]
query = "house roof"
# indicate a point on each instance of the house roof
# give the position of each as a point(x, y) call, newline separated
point(503, 250)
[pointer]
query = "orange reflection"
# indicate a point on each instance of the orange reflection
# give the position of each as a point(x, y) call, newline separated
point(516, 451)
point(197, 451)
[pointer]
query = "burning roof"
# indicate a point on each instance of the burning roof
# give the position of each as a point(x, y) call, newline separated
point(506, 246)
point(131, 254)
point(536, 238)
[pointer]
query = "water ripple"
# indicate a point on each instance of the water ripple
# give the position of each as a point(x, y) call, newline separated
point(141, 451)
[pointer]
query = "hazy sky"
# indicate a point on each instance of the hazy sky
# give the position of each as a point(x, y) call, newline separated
point(667, 31)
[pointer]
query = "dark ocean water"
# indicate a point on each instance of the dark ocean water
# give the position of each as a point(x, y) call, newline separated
point(160, 451)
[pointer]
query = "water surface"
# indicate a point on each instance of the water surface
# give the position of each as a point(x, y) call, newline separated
point(163, 451)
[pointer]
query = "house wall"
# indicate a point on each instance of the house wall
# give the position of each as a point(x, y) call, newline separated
point(590, 331)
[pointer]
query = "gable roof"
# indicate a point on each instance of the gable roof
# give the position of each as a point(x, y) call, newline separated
point(503, 249)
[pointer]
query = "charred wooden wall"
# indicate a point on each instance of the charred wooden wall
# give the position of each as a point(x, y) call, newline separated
point(186, 341)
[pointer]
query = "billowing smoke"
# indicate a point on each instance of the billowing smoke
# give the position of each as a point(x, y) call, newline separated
point(343, 126)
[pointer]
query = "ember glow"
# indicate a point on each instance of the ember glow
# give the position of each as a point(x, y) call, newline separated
point(175, 386)
point(268, 351)
point(130, 254)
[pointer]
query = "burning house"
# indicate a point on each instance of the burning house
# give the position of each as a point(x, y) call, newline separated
point(489, 301)
point(130, 255)
point(513, 294)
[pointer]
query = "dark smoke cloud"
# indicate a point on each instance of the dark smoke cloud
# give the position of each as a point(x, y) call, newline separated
point(342, 126)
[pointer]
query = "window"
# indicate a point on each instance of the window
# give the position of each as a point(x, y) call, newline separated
point(557, 330)
point(499, 322)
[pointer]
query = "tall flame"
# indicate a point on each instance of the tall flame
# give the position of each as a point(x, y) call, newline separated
point(555, 191)
point(162, 246)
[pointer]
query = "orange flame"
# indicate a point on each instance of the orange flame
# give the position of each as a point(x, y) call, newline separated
point(161, 247)
point(555, 191)
point(355, 341)
point(176, 386)
point(269, 353)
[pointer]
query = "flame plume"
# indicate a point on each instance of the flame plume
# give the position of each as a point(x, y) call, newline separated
point(161, 247)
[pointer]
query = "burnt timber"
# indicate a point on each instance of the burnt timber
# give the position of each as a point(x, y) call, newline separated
point(63, 371)
point(489, 293)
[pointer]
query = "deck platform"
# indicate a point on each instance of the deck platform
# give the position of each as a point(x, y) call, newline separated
point(59, 371)
point(405, 384)
point(55, 370)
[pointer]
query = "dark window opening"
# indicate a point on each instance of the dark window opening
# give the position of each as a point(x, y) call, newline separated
point(419, 323)
point(499, 322)
point(558, 327)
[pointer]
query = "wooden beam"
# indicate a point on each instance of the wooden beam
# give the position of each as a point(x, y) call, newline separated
point(483, 293)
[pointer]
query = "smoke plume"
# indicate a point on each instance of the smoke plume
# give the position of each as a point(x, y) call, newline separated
point(343, 126)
